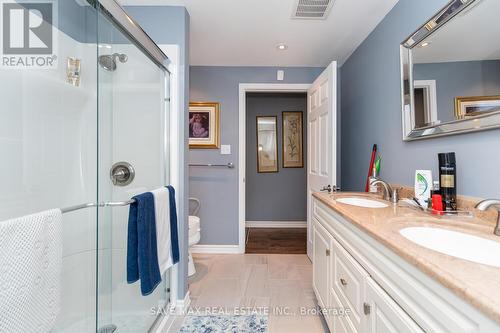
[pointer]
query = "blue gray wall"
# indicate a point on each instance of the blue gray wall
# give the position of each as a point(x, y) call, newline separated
point(170, 25)
point(371, 113)
point(218, 188)
point(277, 196)
point(462, 78)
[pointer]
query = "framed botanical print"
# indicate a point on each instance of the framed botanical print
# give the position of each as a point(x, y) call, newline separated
point(267, 144)
point(468, 107)
point(292, 145)
point(204, 125)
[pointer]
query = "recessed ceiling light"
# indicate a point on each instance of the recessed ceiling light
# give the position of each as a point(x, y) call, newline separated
point(424, 44)
point(282, 46)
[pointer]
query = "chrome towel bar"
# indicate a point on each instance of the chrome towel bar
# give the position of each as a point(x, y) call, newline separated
point(97, 204)
point(229, 165)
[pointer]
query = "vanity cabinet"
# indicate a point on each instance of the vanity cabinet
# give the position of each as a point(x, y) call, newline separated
point(382, 292)
point(340, 282)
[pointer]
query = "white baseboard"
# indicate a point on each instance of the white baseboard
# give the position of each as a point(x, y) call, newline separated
point(276, 224)
point(215, 249)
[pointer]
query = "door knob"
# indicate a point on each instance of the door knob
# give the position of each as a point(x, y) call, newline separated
point(327, 188)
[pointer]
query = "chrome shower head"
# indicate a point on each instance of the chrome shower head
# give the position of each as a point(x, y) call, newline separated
point(108, 61)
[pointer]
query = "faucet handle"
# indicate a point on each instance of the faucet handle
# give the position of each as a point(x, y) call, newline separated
point(395, 195)
point(486, 204)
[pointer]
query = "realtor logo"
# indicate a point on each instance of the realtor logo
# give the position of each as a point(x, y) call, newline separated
point(28, 34)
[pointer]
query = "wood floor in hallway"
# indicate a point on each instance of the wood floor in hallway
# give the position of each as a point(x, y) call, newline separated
point(272, 281)
point(276, 240)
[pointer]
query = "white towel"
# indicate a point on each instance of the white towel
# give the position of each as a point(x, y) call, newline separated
point(30, 272)
point(163, 240)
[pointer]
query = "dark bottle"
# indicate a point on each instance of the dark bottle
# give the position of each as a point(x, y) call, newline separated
point(448, 180)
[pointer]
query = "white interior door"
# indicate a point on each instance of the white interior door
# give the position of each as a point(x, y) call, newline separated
point(321, 139)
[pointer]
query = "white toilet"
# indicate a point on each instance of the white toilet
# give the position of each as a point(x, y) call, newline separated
point(194, 234)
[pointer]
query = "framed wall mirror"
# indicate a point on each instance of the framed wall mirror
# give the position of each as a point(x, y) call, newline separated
point(450, 67)
point(267, 144)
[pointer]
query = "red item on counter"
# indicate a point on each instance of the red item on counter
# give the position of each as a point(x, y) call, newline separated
point(372, 160)
point(437, 203)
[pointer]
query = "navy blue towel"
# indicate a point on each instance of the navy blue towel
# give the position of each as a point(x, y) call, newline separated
point(142, 255)
point(174, 236)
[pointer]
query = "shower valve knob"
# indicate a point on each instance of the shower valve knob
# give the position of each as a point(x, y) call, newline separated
point(122, 174)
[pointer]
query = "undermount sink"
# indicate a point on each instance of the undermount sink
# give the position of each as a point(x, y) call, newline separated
point(362, 202)
point(456, 244)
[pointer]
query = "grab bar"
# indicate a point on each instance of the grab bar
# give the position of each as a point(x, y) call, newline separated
point(229, 165)
point(96, 204)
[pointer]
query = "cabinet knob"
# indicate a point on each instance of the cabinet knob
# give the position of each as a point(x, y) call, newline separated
point(367, 308)
point(343, 282)
point(327, 252)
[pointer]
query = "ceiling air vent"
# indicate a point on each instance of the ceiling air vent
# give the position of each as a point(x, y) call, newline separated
point(312, 9)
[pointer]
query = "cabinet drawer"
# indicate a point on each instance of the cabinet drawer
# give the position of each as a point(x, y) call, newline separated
point(349, 283)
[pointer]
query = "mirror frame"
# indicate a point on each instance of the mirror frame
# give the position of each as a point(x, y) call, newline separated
point(410, 133)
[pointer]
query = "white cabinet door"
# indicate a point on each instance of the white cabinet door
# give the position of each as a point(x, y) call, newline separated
point(383, 315)
point(321, 264)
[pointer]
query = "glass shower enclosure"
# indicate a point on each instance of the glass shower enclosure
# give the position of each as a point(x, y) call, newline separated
point(93, 128)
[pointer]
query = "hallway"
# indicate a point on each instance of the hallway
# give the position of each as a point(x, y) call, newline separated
point(276, 240)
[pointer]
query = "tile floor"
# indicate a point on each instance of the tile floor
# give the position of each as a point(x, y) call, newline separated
point(257, 281)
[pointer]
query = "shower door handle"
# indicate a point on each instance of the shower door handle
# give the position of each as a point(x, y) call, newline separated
point(122, 174)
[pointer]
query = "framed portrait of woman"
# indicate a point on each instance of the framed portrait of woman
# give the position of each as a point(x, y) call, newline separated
point(204, 125)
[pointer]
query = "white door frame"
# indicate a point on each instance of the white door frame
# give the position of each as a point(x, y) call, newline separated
point(245, 88)
point(430, 91)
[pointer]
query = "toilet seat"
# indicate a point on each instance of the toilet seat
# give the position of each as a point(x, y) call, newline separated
point(194, 230)
point(194, 225)
point(194, 233)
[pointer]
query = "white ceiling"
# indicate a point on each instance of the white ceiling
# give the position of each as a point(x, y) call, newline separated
point(471, 35)
point(245, 32)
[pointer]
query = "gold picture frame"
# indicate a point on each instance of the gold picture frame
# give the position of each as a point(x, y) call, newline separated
point(204, 125)
point(469, 107)
point(292, 146)
point(267, 144)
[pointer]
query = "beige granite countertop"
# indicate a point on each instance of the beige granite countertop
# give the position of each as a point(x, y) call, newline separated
point(477, 284)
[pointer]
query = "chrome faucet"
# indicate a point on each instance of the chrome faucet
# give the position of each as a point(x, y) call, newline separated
point(485, 205)
point(387, 188)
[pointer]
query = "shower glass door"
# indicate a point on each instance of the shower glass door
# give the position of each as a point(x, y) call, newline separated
point(132, 131)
